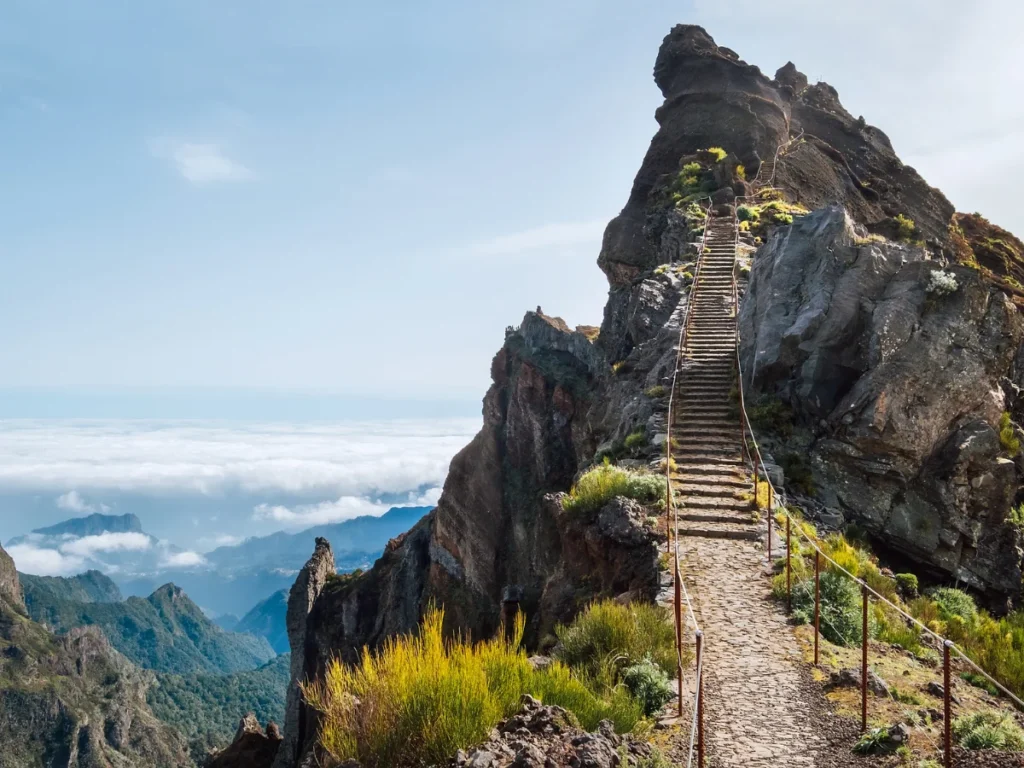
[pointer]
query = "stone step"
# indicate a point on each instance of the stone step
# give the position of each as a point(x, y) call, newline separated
point(720, 531)
point(720, 492)
point(724, 504)
point(712, 517)
point(734, 479)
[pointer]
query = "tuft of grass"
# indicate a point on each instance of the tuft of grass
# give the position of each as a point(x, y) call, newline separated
point(1007, 435)
point(1016, 516)
point(741, 172)
point(906, 229)
point(980, 681)
point(871, 741)
point(988, 730)
point(601, 484)
point(635, 440)
point(718, 153)
point(619, 367)
point(626, 634)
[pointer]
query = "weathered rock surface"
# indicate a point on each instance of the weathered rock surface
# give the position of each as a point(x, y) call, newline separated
point(73, 701)
point(299, 720)
point(900, 384)
point(543, 737)
point(253, 747)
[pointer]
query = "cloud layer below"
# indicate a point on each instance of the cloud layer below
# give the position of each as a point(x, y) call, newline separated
point(79, 460)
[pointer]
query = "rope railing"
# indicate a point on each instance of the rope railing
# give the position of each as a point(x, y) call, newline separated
point(776, 505)
point(681, 593)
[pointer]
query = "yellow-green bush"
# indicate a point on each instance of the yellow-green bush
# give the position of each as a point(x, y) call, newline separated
point(718, 152)
point(601, 484)
point(420, 698)
point(1007, 435)
point(905, 228)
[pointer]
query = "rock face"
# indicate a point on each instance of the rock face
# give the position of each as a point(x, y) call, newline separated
point(714, 99)
point(896, 367)
point(307, 588)
point(72, 701)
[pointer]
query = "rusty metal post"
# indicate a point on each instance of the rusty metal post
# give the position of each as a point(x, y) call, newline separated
point(771, 520)
point(679, 635)
point(700, 700)
point(864, 660)
point(817, 604)
point(947, 708)
point(789, 568)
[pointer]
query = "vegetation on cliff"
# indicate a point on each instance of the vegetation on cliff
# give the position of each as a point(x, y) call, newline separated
point(420, 697)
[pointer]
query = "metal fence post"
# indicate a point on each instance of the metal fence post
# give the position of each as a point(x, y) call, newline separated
point(817, 604)
point(700, 699)
point(789, 568)
point(864, 660)
point(771, 565)
point(679, 635)
point(947, 695)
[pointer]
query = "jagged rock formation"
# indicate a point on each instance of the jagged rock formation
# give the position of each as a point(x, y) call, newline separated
point(898, 380)
point(72, 701)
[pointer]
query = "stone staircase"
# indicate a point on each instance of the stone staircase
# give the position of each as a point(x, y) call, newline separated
point(712, 484)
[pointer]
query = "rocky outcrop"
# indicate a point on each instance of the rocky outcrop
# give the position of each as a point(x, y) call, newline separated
point(299, 720)
point(72, 701)
point(997, 253)
point(252, 747)
point(894, 365)
point(10, 587)
point(715, 99)
point(539, 736)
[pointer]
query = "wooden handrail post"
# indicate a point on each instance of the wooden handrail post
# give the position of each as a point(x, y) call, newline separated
point(789, 568)
point(700, 699)
point(947, 707)
point(864, 659)
point(817, 604)
point(679, 633)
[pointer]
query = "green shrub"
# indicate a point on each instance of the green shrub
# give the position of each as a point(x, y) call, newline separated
point(691, 169)
point(649, 685)
point(718, 152)
point(1016, 516)
point(741, 172)
point(840, 608)
point(626, 633)
point(871, 741)
point(1007, 435)
point(746, 213)
point(907, 585)
point(658, 390)
point(769, 414)
point(636, 439)
point(988, 730)
point(603, 483)
point(905, 228)
point(955, 603)
point(783, 218)
point(980, 681)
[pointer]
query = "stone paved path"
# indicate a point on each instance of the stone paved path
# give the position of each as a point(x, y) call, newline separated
point(758, 697)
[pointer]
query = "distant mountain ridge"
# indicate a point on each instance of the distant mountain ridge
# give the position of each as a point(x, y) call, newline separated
point(165, 632)
point(91, 525)
point(89, 587)
point(268, 619)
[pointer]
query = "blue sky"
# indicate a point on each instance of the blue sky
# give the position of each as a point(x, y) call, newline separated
point(336, 199)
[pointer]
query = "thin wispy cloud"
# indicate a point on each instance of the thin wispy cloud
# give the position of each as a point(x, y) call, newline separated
point(91, 546)
point(201, 163)
point(539, 238)
point(72, 501)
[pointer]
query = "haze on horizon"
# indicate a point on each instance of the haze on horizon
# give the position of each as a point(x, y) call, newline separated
point(333, 202)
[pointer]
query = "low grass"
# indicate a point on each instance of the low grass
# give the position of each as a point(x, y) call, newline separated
point(988, 730)
point(603, 483)
point(1008, 435)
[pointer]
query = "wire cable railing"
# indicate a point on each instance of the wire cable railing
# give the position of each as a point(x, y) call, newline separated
point(776, 505)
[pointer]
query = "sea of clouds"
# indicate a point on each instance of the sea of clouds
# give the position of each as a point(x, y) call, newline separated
point(295, 475)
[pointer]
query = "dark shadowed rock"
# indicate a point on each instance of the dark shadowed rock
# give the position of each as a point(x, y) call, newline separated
point(10, 587)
